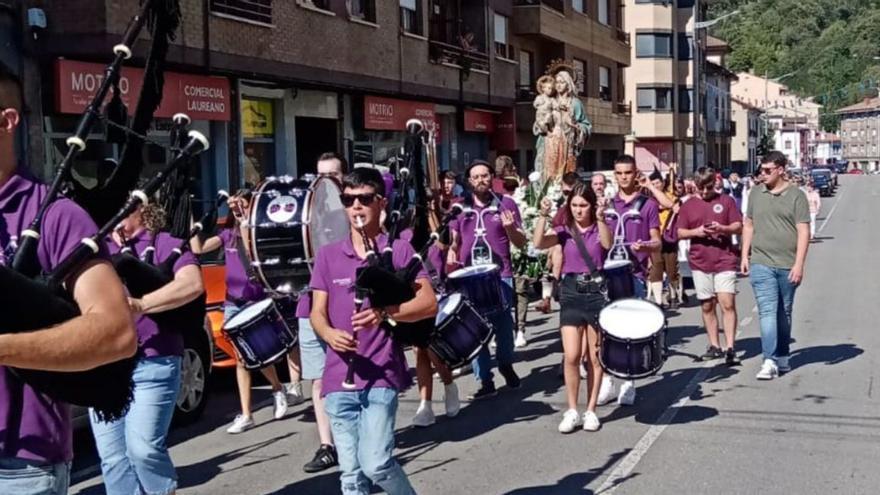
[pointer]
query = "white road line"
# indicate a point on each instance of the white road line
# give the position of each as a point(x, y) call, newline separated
point(830, 213)
point(626, 466)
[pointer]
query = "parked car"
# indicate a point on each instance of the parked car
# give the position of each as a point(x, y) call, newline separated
point(831, 176)
point(856, 171)
point(822, 183)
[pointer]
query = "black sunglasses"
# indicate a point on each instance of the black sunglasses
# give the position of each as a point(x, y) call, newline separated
point(767, 170)
point(365, 199)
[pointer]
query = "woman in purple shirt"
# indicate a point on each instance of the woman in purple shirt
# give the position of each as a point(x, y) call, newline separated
point(581, 299)
point(134, 455)
point(242, 289)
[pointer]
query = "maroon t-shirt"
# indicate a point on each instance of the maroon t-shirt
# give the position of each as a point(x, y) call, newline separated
point(715, 253)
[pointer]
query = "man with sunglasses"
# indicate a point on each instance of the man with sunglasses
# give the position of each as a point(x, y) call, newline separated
point(776, 235)
point(502, 227)
point(362, 418)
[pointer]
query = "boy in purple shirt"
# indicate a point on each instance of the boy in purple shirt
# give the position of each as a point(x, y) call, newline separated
point(133, 450)
point(502, 227)
point(362, 419)
point(35, 431)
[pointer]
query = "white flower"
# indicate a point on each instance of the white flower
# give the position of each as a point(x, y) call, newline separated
point(531, 211)
point(535, 176)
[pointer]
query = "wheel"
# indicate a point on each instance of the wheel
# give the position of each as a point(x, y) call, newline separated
point(195, 373)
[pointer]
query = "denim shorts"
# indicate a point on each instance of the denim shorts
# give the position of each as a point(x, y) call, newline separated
point(312, 351)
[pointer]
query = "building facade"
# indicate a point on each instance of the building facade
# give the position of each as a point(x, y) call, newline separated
point(719, 124)
point(588, 34)
point(748, 129)
point(828, 148)
point(860, 134)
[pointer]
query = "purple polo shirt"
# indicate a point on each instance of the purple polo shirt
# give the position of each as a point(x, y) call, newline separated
point(572, 261)
point(636, 228)
point(715, 253)
point(155, 340)
point(436, 257)
point(304, 305)
point(380, 361)
point(238, 286)
point(43, 432)
point(465, 223)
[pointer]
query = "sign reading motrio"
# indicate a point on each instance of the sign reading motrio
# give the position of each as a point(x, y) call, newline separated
point(200, 97)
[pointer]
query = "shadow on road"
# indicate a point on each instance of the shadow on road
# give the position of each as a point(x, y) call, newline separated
point(828, 354)
point(574, 484)
point(204, 471)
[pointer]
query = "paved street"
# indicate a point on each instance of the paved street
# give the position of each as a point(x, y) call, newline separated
point(696, 427)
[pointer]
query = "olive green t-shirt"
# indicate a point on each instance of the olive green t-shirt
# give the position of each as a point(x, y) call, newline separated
point(775, 218)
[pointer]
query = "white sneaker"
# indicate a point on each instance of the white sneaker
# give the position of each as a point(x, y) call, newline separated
point(606, 391)
point(280, 404)
point(520, 340)
point(768, 371)
point(451, 400)
point(591, 421)
point(583, 370)
point(627, 395)
point(783, 365)
point(240, 424)
point(424, 415)
point(295, 395)
point(570, 421)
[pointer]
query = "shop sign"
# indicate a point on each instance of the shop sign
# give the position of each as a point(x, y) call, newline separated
point(653, 154)
point(479, 121)
point(257, 119)
point(200, 97)
point(389, 114)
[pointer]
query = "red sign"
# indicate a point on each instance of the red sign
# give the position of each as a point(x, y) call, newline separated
point(504, 138)
point(389, 114)
point(200, 97)
point(479, 121)
point(650, 154)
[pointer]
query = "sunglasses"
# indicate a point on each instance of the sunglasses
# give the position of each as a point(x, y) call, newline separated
point(365, 199)
point(768, 170)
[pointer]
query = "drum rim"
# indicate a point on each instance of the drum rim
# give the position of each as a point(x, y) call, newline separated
point(616, 264)
point(269, 307)
point(603, 330)
point(477, 269)
point(307, 215)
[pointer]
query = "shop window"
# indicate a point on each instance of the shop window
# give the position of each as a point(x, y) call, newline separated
point(654, 99)
point(654, 45)
point(502, 48)
point(603, 11)
point(364, 10)
point(249, 10)
point(605, 83)
point(258, 131)
point(581, 68)
point(411, 16)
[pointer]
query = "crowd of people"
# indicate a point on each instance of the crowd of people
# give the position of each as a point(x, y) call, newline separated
point(722, 225)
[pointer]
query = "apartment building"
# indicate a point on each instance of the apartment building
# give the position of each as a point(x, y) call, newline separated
point(589, 34)
point(748, 130)
point(860, 134)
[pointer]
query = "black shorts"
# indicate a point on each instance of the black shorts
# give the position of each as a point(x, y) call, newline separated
point(578, 309)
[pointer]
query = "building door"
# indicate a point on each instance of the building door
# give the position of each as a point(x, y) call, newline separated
point(314, 136)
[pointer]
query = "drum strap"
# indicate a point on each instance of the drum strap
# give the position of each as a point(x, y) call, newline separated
point(239, 248)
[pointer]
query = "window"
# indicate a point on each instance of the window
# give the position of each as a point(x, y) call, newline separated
point(258, 132)
point(317, 4)
point(653, 99)
point(604, 83)
point(685, 4)
point(578, 5)
point(410, 16)
point(581, 68)
point(250, 10)
point(787, 145)
point(685, 96)
point(603, 11)
point(501, 47)
point(525, 68)
point(654, 45)
point(685, 46)
point(364, 10)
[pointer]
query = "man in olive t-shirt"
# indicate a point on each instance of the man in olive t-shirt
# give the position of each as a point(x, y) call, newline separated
point(776, 233)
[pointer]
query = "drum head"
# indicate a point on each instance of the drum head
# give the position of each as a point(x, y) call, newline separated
point(327, 221)
point(473, 270)
point(611, 265)
point(248, 313)
point(631, 319)
point(447, 307)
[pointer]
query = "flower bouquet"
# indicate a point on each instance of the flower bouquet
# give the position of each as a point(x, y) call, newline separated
point(528, 261)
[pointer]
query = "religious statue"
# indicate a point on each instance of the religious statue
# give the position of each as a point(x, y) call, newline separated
point(561, 124)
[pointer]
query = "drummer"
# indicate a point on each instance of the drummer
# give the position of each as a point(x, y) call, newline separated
point(502, 228)
point(581, 299)
point(642, 236)
point(242, 289)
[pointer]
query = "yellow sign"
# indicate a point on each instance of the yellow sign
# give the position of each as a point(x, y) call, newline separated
point(257, 119)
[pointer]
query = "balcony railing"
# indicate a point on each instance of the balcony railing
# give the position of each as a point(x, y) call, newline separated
point(623, 108)
point(622, 36)
point(444, 53)
point(553, 4)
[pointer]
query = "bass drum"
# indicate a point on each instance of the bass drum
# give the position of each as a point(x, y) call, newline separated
point(290, 220)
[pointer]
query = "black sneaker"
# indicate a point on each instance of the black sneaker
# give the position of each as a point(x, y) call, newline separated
point(673, 305)
point(730, 357)
point(325, 458)
point(711, 353)
point(509, 375)
point(487, 389)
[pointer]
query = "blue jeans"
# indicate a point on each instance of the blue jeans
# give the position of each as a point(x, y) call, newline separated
point(363, 429)
point(23, 477)
point(503, 323)
point(640, 288)
point(775, 297)
point(134, 455)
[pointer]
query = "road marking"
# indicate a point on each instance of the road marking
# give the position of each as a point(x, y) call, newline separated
point(626, 466)
point(831, 213)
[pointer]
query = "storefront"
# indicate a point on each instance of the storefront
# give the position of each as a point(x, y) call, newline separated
point(206, 99)
point(488, 133)
point(379, 129)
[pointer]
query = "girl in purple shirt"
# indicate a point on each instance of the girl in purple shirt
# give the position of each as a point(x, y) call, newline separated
point(580, 298)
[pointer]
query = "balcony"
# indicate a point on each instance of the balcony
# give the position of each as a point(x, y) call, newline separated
point(446, 54)
point(623, 108)
point(553, 4)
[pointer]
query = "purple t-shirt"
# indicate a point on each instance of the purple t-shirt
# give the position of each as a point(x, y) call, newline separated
point(636, 228)
point(43, 432)
point(238, 286)
point(716, 253)
point(153, 339)
point(380, 361)
point(436, 256)
point(572, 261)
point(466, 222)
point(304, 305)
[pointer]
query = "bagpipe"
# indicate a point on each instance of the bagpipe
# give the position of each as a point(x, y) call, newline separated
point(33, 299)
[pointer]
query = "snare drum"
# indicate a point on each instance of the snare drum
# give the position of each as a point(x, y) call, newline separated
point(619, 279)
point(289, 221)
point(482, 286)
point(260, 334)
point(460, 331)
point(633, 338)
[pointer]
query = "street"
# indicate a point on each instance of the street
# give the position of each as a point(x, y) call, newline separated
point(695, 428)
